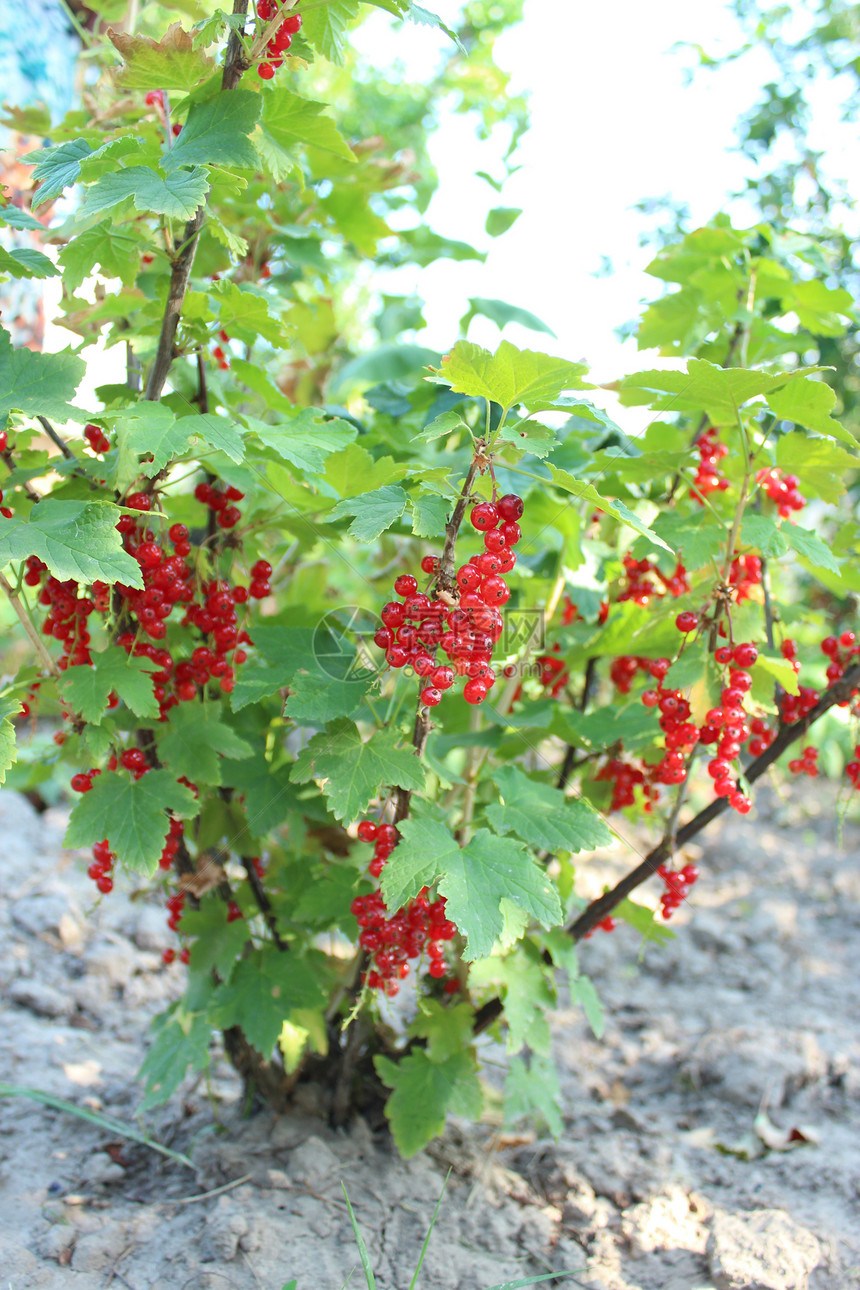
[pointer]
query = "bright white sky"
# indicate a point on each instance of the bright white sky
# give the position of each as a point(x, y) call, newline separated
point(612, 122)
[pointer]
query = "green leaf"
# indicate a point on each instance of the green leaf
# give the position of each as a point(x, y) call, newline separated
point(529, 436)
point(763, 533)
point(289, 120)
point(374, 512)
point(17, 217)
point(10, 706)
point(75, 539)
point(809, 403)
point(195, 741)
point(356, 770)
point(509, 376)
point(366, 1267)
point(440, 426)
point(424, 1092)
point(218, 943)
point(500, 219)
point(424, 18)
point(810, 546)
point(130, 813)
point(56, 168)
point(216, 133)
point(542, 816)
point(316, 699)
point(171, 63)
point(588, 493)
point(644, 921)
point(698, 538)
point(35, 383)
point(26, 262)
point(307, 440)
point(243, 311)
point(112, 247)
point(265, 988)
point(780, 669)
point(525, 985)
point(181, 1040)
point(146, 430)
point(534, 1089)
point(475, 880)
point(584, 995)
point(719, 391)
point(819, 464)
point(86, 689)
point(219, 433)
point(325, 27)
point(447, 1028)
point(430, 515)
point(501, 314)
point(177, 196)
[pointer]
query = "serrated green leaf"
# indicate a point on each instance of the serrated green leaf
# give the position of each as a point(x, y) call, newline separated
point(509, 376)
point(534, 1090)
point(113, 248)
point(86, 688)
point(527, 991)
point(10, 706)
point(56, 168)
point(195, 741)
point(809, 403)
point(26, 262)
point(425, 18)
point(289, 120)
point(354, 770)
point(75, 540)
point(763, 533)
point(425, 850)
point(307, 440)
point(644, 921)
point(424, 1093)
point(719, 391)
point(315, 699)
point(17, 217)
point(698, 538)
point(374, 512)
point(583, 491)
point(217, 942)
point(430, 515)
point(325, 27)
point(543, 817)
point(171, 63)
point(181, 1040)
point(584, 995)
point(216, 133)
point(177, 196)
point(447, 1028)
point(265, 988)
point(219, 433)
point(130, 813)
point(440, 426)
point(780, 669)
point(35, 383)
point(810, 546)
point(820, 465)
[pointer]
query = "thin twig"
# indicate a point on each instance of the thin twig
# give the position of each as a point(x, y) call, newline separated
point(26, 622)
point(216, 1191)
point(28, 488)
point(56, 439)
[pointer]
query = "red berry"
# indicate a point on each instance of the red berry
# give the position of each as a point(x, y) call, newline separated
point(405, 585)
point(474, 691)
point(745, 655)
point(430, 564)
point(510, 508)
point(686, 622)
point(495, 591)
point(511, 532)
point(367, 830)
point(81, 783)
point(431, 696)
point(484, 516)
point(139, 502)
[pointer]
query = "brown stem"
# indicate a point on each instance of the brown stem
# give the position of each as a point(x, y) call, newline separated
point(570, 758)
point(26, 622)
point(235, 64)
point(604, 905)
point(9, 461)
point(263, 903)
point(55, 438)
point(600, 908)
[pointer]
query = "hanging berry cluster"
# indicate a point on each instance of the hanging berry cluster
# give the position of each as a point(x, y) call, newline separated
point(641, 589)
point(708, 479)
point(282, 39)
point(676, 886)
point(415, 628)
point(783, 490)
point(392, 940)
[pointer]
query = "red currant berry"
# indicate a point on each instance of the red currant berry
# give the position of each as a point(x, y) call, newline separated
point(510, 508)
point(484, 516)
point(367, 830)
point(405, 585)
point(686, 622)
point(474, 691)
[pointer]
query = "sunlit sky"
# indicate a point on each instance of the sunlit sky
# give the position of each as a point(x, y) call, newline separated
point(614, 120)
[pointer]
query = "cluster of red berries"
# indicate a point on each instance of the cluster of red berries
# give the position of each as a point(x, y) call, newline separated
point(782, 489)
point(641, 589)
point(840, 650)
point(392, 940)
point(807, 764)
point(218, 353)
point(554, 675)
point(68, 613)
point(708, 479)
point(676, 886)
point(415, 628)
point(625, 778)
point(96, 438)
point(102, 866)
point(744, 575)
point(282, 39)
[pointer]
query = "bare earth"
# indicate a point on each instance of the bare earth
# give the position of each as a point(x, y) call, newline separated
point(756, 999)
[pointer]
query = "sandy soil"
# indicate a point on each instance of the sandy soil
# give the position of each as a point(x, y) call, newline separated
point(659, 1182)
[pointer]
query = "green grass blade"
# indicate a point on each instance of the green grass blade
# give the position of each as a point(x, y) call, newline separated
point(94, 1117)
point(414, 1282)
point(362, 1248)
point(532, 1281)
point(348, 1279)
